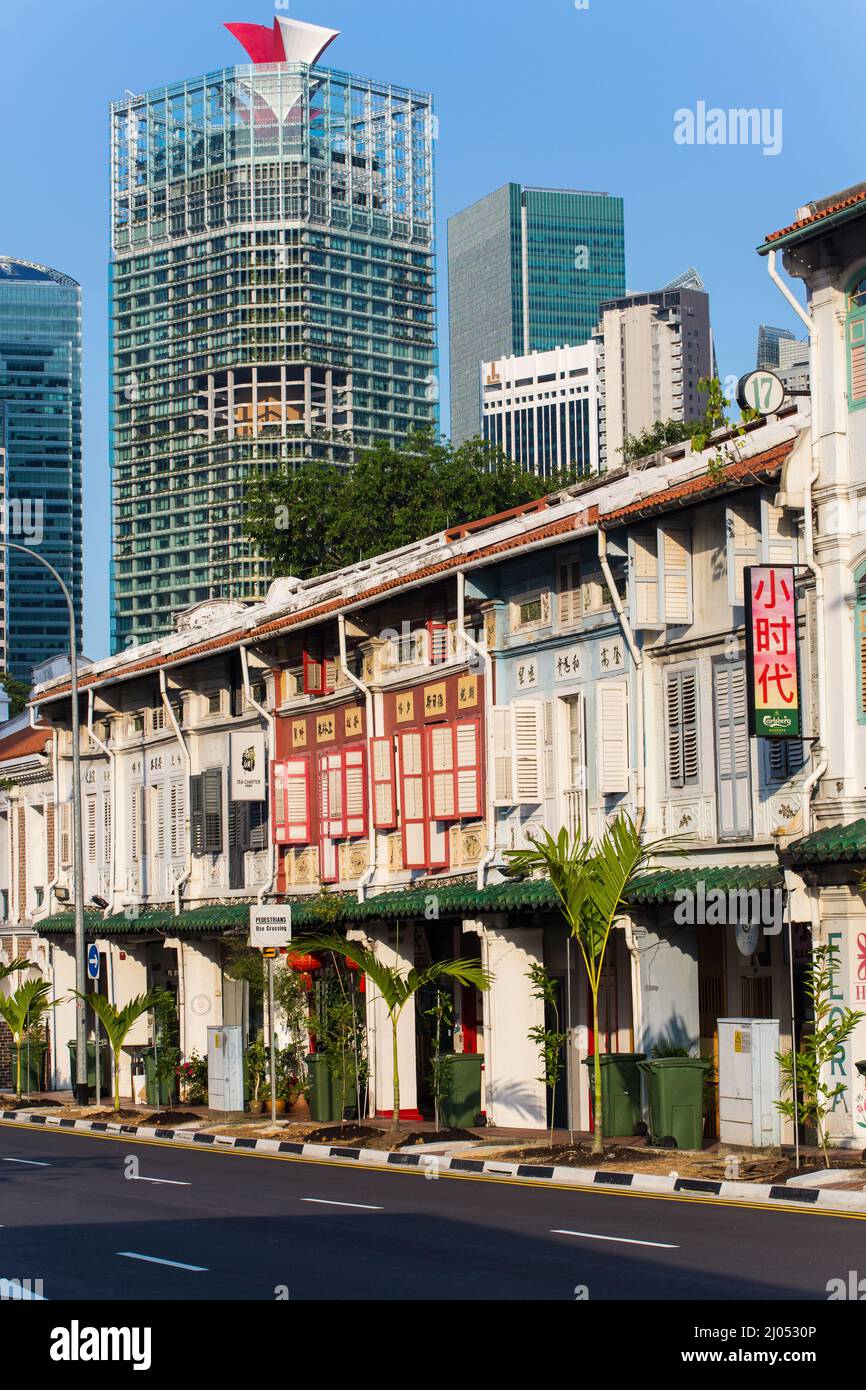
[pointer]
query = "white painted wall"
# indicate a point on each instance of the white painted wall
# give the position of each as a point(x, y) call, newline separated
point(515, 1095)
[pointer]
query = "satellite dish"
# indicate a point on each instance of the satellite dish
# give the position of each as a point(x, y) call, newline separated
point(748, 937)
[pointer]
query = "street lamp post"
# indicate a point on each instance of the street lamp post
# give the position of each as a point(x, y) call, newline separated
point(80, 1079)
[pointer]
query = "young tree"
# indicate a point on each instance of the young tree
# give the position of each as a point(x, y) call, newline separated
point(804, 1076)
point(18, 692)
point(396, 988)
point(21, 1011)
point(591, 881)
point(321, 517)
point(117, 1023)
point(549, 1041)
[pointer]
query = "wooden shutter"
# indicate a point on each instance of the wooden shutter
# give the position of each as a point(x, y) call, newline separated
point(212, 803)
point(733, 777)
point(106, 829)
point(612, 717)
point(314, 675)
point(784, 758)
point(778, 534)
point(176, 818)
point(258, 815)
point(467, 767)
point(569, 594)
point(330, 785)
point(674, 547)
point(503, 769)
point(65, 833)
point(857, 359)
point(196, 815)
point(413, 821)
point(355, 790)
point(440, 771)
point(527, 742)
point(91, 830)
point(681, 698)
point(290, 800)
point(238, 838)
point(743, 545)
point(644, 569)
point(384, 783)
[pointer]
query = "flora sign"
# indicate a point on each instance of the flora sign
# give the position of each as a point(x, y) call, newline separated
point(771, 643)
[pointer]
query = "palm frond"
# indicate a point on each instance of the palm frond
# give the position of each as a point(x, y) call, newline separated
point(386, 978)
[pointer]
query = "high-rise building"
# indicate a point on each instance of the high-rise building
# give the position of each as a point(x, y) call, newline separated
point(40, 434)
point(653, 350)
point(272, 301)
point(542, 409)
point(527, 271)
point(785, 354)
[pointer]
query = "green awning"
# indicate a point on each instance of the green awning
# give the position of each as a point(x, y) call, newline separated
point(835, 844)
point(431, 900)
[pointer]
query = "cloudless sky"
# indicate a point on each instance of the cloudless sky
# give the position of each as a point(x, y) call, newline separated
point(538, 92)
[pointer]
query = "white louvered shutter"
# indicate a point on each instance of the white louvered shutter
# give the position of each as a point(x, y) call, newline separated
point(467, 750)
point(503, 771)
point(134, 826)
point(355, 791)
point(682, 727)
point(569, 594)
point(645, 579)
point(440, 765)
point(779, 534)
point(612, 716)
point(413, 819)
point(732, 750)
point(290, 782)
point(527, 742)
point(675, 547)
point(159, 816)
point(743, 545)
point(66, 833)
point(384, 783)
point(91, 830)
point(106, 829)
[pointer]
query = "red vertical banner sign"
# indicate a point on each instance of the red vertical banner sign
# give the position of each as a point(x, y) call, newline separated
point(772, 652)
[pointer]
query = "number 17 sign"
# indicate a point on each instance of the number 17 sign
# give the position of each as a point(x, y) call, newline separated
point(772, 652)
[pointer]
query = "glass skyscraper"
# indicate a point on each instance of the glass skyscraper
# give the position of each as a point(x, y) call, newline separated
point(272, 301)
point(527, 271)
point(40, 446)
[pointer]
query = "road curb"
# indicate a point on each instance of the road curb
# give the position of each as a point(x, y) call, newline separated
point(432, 1165)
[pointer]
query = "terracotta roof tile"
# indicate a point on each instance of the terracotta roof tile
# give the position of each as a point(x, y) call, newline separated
point(851, 201)
point(739, 472)
point(24, 742)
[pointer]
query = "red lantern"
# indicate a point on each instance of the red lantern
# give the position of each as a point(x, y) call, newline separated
point(304, 964)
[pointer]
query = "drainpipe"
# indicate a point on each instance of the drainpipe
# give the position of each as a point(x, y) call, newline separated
point(807, 319)
point(271, 726)
point(112, 763)
point(172, 719)
point(52, 883)
point(487, 662)
point(367, 693)
point(636, 995)
point(637, 658)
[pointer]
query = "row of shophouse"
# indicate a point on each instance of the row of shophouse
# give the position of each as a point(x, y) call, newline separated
point(385, 733)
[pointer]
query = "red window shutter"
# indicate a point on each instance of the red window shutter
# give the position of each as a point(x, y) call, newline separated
point(298, 819)
point(314, 675)
point(440, 771)
point(438, 639)
point(384, 786)
point(355, 790)
point(413, 819)
point(467, 767)
point(290, 801)
point(330, 783)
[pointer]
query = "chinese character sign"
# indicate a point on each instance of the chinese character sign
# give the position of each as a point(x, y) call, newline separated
point(771, 635)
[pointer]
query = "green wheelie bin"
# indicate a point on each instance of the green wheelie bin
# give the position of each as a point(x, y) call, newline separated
point(324, 1099)
point(106, 1075)
point(460, 1096)
point(620, 1091)
point(675, 1086)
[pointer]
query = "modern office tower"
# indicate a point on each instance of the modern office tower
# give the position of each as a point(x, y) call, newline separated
point(653, 350)
point(40, 430)
point(785, 354)
point(542, 409)
point(272, 301)
point(527, 271)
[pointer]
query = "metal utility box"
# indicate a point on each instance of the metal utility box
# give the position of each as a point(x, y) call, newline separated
point(749, 1082)
point(225, 1067)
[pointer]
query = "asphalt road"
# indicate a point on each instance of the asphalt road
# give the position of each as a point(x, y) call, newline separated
point(101, 1218)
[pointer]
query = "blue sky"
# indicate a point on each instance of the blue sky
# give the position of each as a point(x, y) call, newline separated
point(542, 93)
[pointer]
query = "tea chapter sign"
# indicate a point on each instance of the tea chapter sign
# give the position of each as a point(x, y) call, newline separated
point(773, 659)
point(248, 781)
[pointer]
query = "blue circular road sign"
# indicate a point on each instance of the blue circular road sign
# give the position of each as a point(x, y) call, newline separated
point(93, 961)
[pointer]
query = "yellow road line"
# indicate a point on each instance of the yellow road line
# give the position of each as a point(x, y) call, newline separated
point(691, 1199)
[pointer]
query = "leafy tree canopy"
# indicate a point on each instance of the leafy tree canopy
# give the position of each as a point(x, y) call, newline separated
point(322, 517)
point(18, 692)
